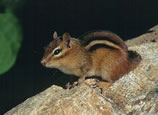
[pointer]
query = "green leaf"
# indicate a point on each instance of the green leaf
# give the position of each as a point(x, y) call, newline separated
point(10, 40)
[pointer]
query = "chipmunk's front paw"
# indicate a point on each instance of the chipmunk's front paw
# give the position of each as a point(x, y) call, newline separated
point(68, 85)
point(75, 84)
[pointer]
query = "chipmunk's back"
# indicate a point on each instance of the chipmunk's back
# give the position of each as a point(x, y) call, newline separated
point(109, 54)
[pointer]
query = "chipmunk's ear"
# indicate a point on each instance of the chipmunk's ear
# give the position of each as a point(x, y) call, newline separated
point(66, 38)
point(55, 35)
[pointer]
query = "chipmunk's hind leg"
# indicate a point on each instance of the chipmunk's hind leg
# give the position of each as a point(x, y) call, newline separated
point(134, 59)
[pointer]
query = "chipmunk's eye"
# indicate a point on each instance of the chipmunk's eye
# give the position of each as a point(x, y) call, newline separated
point(57, 51)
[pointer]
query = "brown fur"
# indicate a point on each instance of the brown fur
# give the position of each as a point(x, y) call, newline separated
point(109, 57)
point(119, 66)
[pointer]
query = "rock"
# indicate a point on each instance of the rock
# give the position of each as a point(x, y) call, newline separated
point(150, 36)
point(136, 93)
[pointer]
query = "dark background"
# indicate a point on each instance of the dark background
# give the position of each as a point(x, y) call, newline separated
point(127, 18)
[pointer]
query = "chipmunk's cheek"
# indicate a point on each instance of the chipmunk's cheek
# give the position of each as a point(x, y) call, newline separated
point(52, 64)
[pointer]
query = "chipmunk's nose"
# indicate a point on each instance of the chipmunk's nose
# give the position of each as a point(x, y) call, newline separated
point(43, 62)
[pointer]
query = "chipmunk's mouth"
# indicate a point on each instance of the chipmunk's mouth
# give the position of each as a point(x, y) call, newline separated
point(45, 63)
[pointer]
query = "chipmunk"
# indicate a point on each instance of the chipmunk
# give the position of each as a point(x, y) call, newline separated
point(99, 53)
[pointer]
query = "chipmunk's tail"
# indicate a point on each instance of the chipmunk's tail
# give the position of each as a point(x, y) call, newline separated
point(134, 59)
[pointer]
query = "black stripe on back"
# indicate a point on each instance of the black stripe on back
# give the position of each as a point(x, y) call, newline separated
point(101, 46)
point(101, 38)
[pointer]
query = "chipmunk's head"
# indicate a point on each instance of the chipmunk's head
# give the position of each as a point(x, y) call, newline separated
point(57, 50)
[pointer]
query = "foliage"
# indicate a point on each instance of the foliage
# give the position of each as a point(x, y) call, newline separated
point(10, 40)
